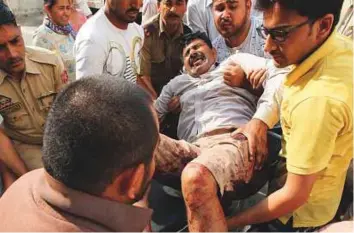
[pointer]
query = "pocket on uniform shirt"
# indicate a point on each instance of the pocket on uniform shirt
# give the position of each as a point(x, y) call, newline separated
point(16, 117)
point(45, 101)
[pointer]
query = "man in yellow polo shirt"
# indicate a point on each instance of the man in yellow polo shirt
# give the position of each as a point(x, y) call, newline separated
point(316, 114)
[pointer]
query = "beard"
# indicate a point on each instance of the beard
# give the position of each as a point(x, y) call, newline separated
point(235, 31)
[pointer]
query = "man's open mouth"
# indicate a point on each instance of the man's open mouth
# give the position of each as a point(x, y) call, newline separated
point(196, 59)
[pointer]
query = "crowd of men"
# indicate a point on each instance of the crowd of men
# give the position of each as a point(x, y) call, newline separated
point(102, 104)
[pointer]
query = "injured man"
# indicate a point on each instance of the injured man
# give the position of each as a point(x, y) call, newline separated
point(212, 160)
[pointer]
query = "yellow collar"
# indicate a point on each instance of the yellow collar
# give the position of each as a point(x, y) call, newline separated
point(301, 69)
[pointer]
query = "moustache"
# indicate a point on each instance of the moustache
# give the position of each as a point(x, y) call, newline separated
point(172, 15)
point(225, 20)
point(133, 10)
point(196, 56)
point(274, 54)
point(14, 60)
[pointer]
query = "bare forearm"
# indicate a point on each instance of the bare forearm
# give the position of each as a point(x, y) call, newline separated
point(10, 157)
point(8, 178)
point(276, 205)
point(145, 82)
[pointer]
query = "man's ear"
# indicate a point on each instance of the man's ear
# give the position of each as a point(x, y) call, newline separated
point(126, 185)
point(248, 7)
point(324, 26)
point(136, 181)
point(46, 9)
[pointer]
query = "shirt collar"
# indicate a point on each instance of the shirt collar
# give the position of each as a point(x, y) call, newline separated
point(162, 28)
point(31, 65)
point(3, 75)
point(111, 214)
point(301, 69)
point(210, 73)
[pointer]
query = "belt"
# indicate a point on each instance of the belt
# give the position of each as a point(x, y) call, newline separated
point(218, 131)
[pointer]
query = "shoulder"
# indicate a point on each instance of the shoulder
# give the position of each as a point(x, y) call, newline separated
point(152, 26)
point(88, 33)
point(89, 28)
point(41, 31)
point(43, 38)
point(218, 42)
point(178, 80)
point(136, 29)
point(42, 56)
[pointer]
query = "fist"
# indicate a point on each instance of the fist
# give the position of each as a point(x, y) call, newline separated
point(234, 75)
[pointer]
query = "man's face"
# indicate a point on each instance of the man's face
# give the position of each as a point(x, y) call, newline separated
point(125, 10)
point(60, 12)
point(230, 16)
point(299, 42)
point(172, 11)
point(198, 57)
point(12, 49)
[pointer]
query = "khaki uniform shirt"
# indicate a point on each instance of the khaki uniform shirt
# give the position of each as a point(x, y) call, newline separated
point(161, 55)
point(24, 104)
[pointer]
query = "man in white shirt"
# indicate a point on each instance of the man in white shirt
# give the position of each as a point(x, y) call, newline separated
point(237, 29)
point(110, 41)
point(211, 111)
point(200, 17)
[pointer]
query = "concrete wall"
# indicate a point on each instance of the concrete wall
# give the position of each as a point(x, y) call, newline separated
point(22, 7)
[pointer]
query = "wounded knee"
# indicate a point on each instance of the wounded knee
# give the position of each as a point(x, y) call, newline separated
point(198, 184)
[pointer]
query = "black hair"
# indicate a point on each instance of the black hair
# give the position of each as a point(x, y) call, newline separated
point(97, 128)
point(313, 9)
point(50, 3)
point(6, 15)
point(188, 38)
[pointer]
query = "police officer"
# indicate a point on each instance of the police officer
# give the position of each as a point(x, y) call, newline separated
point(161, 55)
point(29, 81)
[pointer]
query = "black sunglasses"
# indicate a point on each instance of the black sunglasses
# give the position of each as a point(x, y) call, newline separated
point(280, 34)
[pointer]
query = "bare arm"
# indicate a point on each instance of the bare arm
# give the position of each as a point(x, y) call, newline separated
point(10, 157)
point(287, 199)
point(145, 82)
point(7, 177)
point(306, 159)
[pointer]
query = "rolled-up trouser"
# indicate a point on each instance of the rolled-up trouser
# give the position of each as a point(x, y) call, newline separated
point(226, 158)
point(30, 154)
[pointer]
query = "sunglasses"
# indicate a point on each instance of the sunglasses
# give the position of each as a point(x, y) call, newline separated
point(280, 34)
